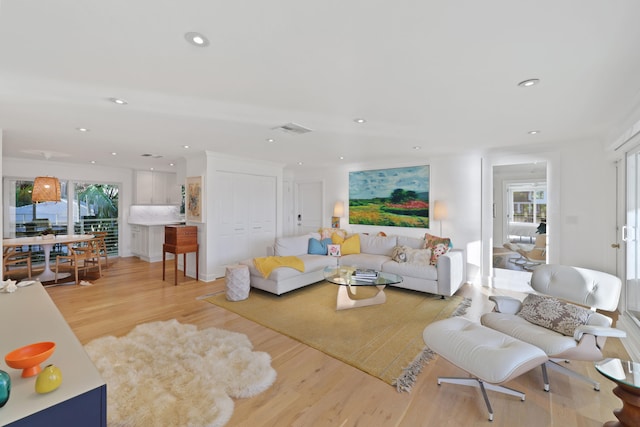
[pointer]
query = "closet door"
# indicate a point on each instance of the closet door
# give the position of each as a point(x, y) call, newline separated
point(263, 215)
point(245, 216)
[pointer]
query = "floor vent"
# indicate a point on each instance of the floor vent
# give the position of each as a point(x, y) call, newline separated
point(293, 128)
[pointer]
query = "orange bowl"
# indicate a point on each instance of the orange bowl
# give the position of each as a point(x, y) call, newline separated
point(29, 357)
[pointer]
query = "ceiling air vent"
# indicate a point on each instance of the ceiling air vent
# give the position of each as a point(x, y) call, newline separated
point(293, 128)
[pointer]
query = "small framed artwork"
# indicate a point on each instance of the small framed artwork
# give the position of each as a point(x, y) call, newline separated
point(335, 222)
point(194, 199)
point(333, 250)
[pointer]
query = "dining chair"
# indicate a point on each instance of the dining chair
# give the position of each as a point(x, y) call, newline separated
point(80, 258)
point(12, 256)
point(101, 245)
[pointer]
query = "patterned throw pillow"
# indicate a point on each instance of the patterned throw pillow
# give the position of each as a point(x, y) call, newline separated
point(409, 255)
point(551, 313)
point(437, 245)
point(326, 233)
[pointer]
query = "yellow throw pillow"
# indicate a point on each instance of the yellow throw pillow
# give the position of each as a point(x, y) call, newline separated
point(350, 245)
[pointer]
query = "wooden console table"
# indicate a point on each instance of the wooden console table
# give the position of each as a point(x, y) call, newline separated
point(180, 239)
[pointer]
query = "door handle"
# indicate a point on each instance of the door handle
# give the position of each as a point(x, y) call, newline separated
point(615, 245)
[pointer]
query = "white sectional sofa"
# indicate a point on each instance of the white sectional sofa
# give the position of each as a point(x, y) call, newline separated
point(375, 252)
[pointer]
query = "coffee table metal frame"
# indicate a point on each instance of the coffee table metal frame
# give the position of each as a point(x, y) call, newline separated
point(347, 286)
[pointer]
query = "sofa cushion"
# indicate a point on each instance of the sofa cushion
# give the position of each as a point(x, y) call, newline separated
point(551, 313)
point(363, 260)
point(318, 247)
point(312, 263)
point(402, 254)
point(412, 242)
point(377, 245)
point(350, 245)
point(294, 245)
point(405, 269)
point(438, 245)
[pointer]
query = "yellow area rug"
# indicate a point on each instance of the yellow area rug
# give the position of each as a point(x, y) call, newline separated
point(382, 340)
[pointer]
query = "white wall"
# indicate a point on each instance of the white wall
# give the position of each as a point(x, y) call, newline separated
point(23, 168)
point(205, 165)
point(454, 180)
point(581, 204)
point(581, 209)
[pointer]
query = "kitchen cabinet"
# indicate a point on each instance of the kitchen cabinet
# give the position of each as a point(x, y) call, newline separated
point(147, 241)
point(157, 188)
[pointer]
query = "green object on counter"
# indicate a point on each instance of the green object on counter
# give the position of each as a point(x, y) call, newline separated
point(5, 387)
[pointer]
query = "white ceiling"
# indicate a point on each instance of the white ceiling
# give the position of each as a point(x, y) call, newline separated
point(441, 75)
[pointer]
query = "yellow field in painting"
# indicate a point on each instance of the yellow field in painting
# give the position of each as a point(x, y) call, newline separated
point(372, 215)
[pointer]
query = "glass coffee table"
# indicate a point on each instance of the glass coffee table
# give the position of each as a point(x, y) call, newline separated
point(347, 284)
point(626, 375)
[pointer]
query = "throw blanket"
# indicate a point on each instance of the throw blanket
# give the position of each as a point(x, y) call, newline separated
point(266, 265)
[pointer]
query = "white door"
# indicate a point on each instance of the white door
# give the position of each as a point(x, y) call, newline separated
point(309, 202)
point(630, 236)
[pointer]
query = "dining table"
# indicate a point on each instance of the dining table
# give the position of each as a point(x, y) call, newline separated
point(47, 244)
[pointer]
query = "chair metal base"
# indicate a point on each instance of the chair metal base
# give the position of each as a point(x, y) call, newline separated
point(556, 366)
point(483, 386)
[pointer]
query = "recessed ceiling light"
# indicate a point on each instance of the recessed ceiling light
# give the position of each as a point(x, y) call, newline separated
point(360, 120)
point(341, 157)
point(185, 146)
point(118, 101)
point(93, 162)
point(417, 147)
point(172, 164)
point(114, 153)
point(150, 169)
point(300, 163)
point(82, 129)
point(533, 132)
point(271, 140)
point(529, 82)
point(196, 39)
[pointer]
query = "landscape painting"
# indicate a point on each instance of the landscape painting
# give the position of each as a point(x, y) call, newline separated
point(397, 197)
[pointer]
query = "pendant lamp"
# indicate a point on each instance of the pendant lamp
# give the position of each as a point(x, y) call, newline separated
point(46, 189)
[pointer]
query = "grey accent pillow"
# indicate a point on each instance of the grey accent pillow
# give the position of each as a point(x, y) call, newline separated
point(551, 313)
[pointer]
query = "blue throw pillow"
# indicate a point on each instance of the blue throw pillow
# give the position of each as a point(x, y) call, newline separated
point(318, 247)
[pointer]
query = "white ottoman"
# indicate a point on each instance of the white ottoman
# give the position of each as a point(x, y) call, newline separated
point(237, 281)
point(491, 357)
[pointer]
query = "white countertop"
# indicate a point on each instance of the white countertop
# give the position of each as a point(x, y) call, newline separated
point(153, 223)
point(28, 316)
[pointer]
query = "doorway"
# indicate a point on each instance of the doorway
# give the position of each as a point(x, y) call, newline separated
point(520, 236)
point(309, 199)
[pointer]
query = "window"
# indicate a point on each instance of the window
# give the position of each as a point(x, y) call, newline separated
point(527, 203)
point(94, 207)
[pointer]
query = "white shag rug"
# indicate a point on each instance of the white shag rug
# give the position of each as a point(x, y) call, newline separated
point(172, 374)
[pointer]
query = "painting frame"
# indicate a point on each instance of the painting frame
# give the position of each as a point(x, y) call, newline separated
point(194, 199)
point(394, 197)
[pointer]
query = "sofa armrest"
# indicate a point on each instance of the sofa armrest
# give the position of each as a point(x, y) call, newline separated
point(598, 331)
point(450, 272)
point(507, 305)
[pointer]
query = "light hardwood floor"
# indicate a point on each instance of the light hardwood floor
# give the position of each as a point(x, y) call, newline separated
point(313, 389)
